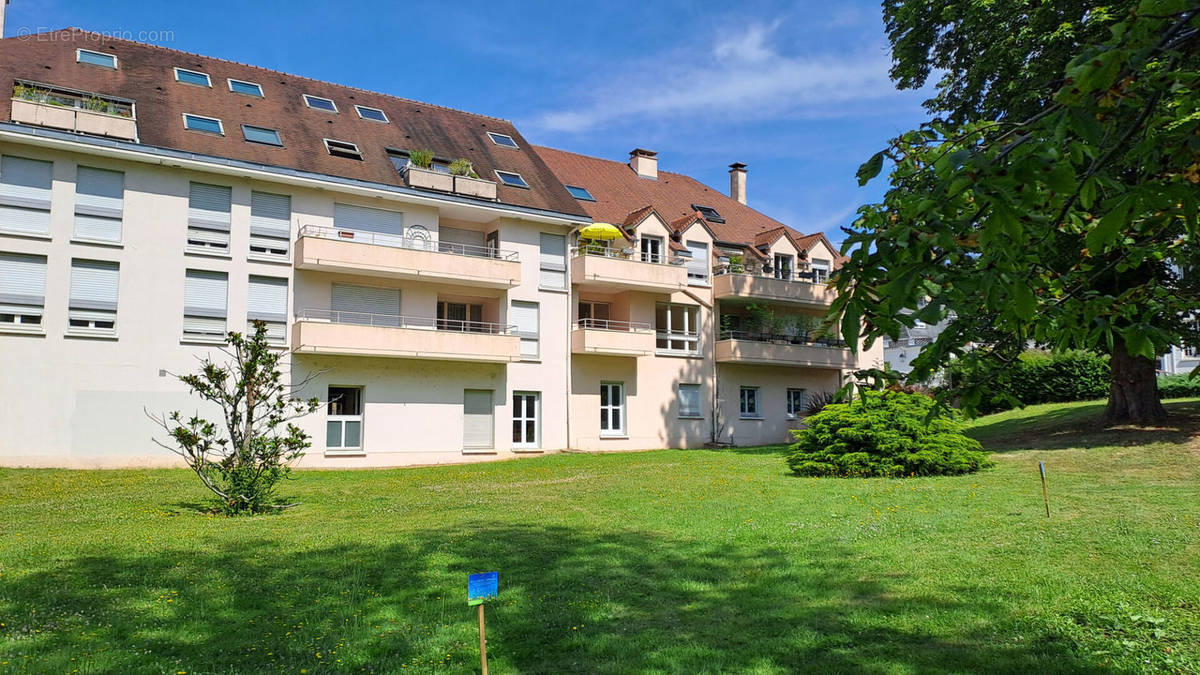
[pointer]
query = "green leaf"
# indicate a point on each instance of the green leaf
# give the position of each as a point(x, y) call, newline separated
point(1107, 228)
point(1023, 301)
point(850, 325)
point(870, 168)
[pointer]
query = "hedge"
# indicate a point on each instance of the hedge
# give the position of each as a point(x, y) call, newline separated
point(1044, 377)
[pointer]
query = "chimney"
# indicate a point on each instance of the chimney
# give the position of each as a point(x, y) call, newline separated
point(737, 181)
point(3, 8)
point(644, 163)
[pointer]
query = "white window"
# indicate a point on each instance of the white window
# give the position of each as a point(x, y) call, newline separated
point(652, 249)
point(99, 204)
point(25, 195)
point(553, 261)
point(479, 420)
point(525, 315)
point(699, 265)
point(612, 408)
point(266, 301)
point(678, 327)
point(1191, 351)
point(343, 149)
point(192, 77)
point(795, 402)
point(512, 179)
point(318, 103)
point(96, 58)
point(261, 135)
point(526, 409)
point(93, 305)
point(204, 304)
point(749, 403)
point(594, 314)
point(344, 419)
point(373, 114)
point(820, 270)
point(689, 400)
point(270, 224)
point(503, 140)
point(208, 218)
point(208, 125)
point(783, 266)
point(22, 290)
point(246, 88)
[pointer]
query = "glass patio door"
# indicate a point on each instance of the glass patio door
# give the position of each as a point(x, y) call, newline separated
point(525, 419)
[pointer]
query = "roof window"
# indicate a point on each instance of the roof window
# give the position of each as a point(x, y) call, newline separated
point(374, 114)
point(318, 103)
point(208, 125)
point(343, 149)
point(512, 179)
point(96, 58)
point(261, 135)
point(192, 77)
point(247, 88)
point(710, 214)
point(503, 140)
point(580, 193)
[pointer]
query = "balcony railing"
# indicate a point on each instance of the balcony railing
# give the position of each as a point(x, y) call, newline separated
point(810, 277)
point(400, 321)
point(410, 243)
point(631, 254)
point(609, 324)
point(799, 339)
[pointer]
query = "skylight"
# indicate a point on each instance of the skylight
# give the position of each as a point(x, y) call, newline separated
point(247, 88)
point(96, 58)
point(208, 125)
point(374, 114)
point(318, 103)
point(192, 77)
point(512, 179)
point(342, 149)
point(580, 193)
point(503, 140)
point(710, 214)
point(261, 135)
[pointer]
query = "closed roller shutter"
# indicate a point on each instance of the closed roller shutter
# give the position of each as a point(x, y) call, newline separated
point(94, 284)
point(553, 261)
point(204, 303)
point(270, 223)
point(463, 242)
point(99, 204)
point(525, 316)
point(266, 300)
point(208, 216)
point(478, 419)
point(365, 304)
point(25, 195)
point(364, 219)
point(22, 284)
point(698, 266)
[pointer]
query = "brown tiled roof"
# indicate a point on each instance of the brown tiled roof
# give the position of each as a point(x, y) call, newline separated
point(146, 76)
point(618, 191)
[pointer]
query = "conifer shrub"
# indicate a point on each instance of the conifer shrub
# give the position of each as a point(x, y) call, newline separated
point(889, 434)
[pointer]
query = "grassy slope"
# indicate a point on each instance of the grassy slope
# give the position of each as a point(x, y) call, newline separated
point(659, 562)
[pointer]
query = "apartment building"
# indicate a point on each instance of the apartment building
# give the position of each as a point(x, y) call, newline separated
point(151, 200)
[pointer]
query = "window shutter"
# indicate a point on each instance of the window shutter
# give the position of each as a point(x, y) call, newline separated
point(525, 315)
point(358, 301)
point(94, 285)
point(362, 218)
point(205, 293)
point(553, 261)
point(99, 204)
point(699, 264)
point(267, 299)
point(270, 223)
point(22, 283)
point(478, 423)
point(25, 195)
point(208, 206)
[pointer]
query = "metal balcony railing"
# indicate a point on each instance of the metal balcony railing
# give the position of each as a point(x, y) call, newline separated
point(802, 339)
point(398, 321)
point(411, 243)
point(631, 254)
point(608, 324)
point(799, 277)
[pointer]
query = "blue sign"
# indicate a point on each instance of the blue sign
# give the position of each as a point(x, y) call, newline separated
point(482, 587)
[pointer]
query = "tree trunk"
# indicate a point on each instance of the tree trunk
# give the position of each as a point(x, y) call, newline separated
point(1133, 396)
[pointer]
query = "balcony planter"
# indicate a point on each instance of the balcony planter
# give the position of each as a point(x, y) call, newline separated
point(428, 179)
point(73, 119)
point(474, 187)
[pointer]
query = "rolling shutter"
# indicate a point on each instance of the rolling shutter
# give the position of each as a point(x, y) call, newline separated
point(365, 304)
point(25, 195)
point(208, 216)
point(99, 204)
point(204, 302)
point(463, 242)
point(22, 284)
point(553, 261)
point(270, 223)
point(699, 264)
point(93, 302)
point(266, 300)
point(478, 422)
point(364, 219)
point(525, 316)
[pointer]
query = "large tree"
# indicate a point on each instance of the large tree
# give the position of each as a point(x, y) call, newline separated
point(1052, 199)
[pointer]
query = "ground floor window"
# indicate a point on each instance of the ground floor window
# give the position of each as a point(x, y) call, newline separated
point(689, 400)
point(478, 419)
point(343, 425)
point(612, 409)
point(749, 402)
point(795, 402)
point(525, 417)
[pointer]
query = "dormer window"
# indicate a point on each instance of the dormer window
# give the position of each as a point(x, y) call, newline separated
point(709, 213)
point(373, 114)
point(96, 58)
point(580, 193)
point(343, 149)
point(318, 103)
point(503, 140)
point(512, 179)
point(246, 88)
point(194, 77)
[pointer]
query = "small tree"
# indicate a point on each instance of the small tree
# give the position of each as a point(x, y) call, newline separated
point(244, 457)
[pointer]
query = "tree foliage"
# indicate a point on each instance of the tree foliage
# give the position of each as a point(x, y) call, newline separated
point(1052, 202)
point(243, 457)
point(1040, 377)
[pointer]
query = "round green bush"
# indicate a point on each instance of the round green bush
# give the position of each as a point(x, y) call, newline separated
point(884, 434)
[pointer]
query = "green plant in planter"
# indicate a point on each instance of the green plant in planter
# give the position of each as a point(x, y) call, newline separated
point(421, 158)
point(463, 167)
point(29, 93)
point(96, 104)
point(737, 263)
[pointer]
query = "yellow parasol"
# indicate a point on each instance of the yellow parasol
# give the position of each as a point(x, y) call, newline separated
point(601, 231)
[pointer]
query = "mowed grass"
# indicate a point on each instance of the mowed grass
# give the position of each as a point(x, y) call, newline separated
point(658, 562)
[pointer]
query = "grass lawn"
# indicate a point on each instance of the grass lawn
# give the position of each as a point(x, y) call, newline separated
point(660, 562)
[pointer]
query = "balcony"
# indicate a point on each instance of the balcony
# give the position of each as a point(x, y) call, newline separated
point(792, 291)
point(782, 350)
point(80, 112)
point(331, 249)
point(432, 179)
point(612, 338)
point(610, 270)
point(322, 331)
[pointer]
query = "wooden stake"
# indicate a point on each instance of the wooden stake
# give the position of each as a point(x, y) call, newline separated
point(1045, 495)
point(482, 642)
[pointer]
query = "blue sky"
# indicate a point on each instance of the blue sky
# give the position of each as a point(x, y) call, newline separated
point(797, 90)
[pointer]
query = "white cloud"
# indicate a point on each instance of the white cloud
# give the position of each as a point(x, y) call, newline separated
point(744, 76)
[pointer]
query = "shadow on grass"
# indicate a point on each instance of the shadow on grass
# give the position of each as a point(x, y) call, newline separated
point(571, 601)
point(768, 450)
point(1080, 427)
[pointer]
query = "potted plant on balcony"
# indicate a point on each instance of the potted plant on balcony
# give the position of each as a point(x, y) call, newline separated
point(419, 173)
point(467, 182)
point(737, 264)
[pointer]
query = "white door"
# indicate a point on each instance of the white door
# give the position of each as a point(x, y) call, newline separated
point(478, 419)
point(651, 249)
point(525, 411)
point(612, 409)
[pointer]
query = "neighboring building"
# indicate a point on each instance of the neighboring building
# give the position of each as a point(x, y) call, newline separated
point(898, 354)
point(151, 200)
point(1179, 361)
